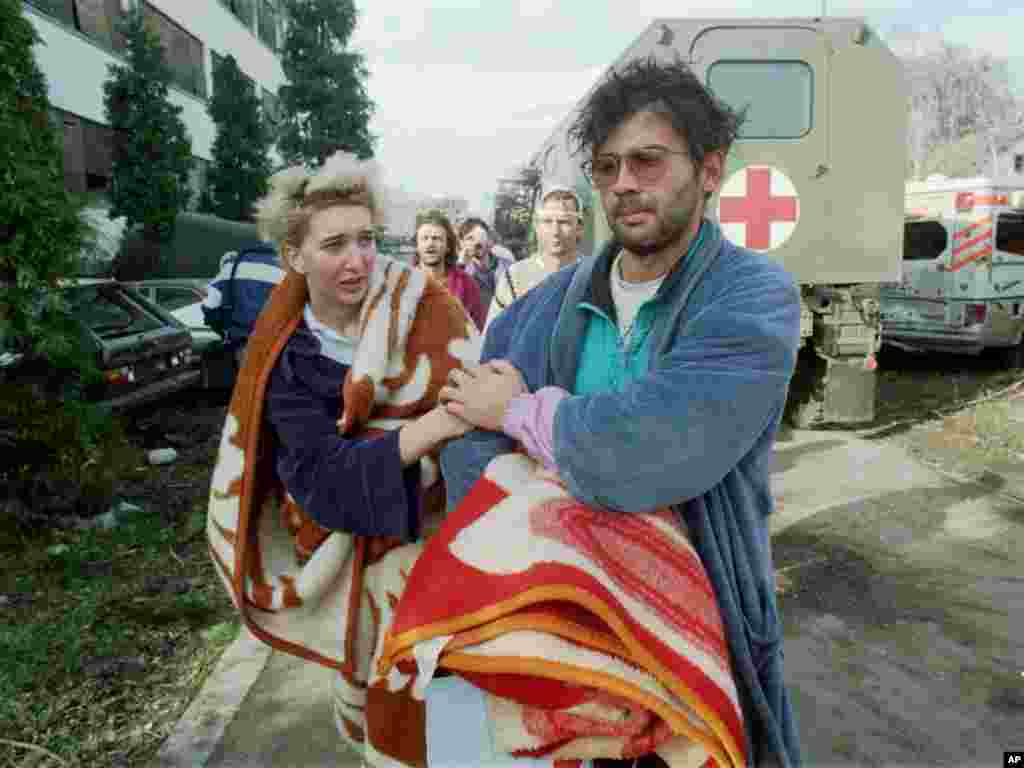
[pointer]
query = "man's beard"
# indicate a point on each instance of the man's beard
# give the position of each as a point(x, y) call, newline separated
point(670, 228)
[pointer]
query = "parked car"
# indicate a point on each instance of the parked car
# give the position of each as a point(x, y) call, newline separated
point(142, 350)
point(174, 275)
point(183, 300)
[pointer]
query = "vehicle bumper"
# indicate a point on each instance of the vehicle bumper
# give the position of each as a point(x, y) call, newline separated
point(968, 341)
point(153, 391)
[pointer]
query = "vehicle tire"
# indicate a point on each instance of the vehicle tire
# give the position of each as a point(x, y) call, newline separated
point(1013, 357)
point(806, 401)
point(806, 414)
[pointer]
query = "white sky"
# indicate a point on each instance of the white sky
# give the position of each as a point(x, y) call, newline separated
point(464, 95)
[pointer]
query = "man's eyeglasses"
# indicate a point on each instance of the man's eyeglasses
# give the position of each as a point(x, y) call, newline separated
point(647, 164)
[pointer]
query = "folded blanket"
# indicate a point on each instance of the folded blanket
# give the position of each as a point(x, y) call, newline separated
point(302, 589)
point(594, 634)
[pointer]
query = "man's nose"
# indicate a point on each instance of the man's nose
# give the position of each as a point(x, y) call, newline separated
point(625, 180)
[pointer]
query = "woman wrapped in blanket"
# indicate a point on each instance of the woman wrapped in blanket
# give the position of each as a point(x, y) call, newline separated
point(370, 486)
point(327, 469)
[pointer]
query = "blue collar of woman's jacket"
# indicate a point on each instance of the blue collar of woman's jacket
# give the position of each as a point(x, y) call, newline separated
point(591, 285)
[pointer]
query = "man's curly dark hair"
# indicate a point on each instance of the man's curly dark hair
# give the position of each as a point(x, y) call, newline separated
point(669, 88)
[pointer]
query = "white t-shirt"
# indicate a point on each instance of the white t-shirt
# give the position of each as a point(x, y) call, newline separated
point(629, 296)
point(340, 349)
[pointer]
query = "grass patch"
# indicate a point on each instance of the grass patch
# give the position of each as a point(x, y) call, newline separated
point(107, 635)
point(1002, 426)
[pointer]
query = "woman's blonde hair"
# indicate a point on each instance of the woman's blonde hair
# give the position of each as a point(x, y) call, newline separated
point(296, 193)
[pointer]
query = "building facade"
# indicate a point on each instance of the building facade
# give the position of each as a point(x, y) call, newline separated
point(79, 40)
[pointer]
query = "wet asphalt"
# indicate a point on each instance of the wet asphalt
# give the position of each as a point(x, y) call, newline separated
point(904, 617)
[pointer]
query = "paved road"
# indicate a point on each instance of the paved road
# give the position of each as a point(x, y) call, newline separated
point(904, 623)
point(904, 610)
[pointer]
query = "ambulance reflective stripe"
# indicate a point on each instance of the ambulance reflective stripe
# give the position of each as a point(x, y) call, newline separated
point(970, 229)
point(758, 207)
point(971, 243)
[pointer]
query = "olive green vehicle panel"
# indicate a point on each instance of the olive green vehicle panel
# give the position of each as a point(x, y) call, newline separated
point(847, 169)
point(194, 251)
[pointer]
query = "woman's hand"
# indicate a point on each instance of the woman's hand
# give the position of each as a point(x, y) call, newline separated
point(448, 424)
point(420, 437)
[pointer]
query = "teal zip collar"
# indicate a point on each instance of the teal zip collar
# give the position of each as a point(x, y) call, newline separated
point(598, 297)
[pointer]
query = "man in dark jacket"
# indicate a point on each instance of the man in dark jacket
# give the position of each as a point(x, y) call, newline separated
point(237, 294)
point(655, 373)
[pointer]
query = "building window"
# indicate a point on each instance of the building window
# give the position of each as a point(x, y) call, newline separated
point(59, 9)
point(778, 96)
point(182, 51)
point(88, 152)
point(94, 18)
point(1018, 163)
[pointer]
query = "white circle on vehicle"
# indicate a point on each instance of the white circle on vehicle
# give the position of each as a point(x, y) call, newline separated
point(758, 207)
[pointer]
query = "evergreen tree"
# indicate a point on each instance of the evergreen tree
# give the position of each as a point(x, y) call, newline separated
point(325, 104)
point(152, 156)
point(238, 174)
point(41, 233)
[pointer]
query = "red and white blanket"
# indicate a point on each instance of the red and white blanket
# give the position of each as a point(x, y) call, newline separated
point(594, 634)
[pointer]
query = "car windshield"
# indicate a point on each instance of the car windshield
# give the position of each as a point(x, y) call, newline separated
point(108, 312)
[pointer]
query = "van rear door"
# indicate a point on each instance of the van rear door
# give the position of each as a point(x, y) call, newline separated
point(1008, 260)
point(919, 302)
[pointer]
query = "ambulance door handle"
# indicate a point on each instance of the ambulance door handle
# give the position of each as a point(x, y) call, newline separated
point(821, 170)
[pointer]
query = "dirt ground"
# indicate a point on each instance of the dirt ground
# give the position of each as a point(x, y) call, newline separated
point(112, 633)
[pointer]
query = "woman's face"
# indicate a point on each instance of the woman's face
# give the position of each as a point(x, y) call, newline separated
point(337, 257)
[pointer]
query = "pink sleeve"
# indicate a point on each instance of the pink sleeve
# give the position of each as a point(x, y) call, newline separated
point(530, 419)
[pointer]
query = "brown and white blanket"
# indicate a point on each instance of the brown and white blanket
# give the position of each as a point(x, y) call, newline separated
point(299, 587)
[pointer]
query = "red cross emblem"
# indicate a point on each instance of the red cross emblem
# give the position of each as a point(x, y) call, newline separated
point(756, 197)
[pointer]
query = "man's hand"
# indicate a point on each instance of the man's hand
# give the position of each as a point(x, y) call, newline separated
point(481, 394)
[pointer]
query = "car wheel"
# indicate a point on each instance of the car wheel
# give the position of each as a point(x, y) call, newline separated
point(1014, 356)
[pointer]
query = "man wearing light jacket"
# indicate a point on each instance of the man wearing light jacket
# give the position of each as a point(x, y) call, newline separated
point(654, 374)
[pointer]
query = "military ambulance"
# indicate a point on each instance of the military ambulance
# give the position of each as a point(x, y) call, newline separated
point(963, 269)
point(815, 179)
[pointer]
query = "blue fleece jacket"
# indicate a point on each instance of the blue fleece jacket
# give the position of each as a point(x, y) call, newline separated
point(695, 433)
point(237, 294)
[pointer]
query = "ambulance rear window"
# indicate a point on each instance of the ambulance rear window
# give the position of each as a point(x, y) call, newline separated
point(778, 96)
point(1010, 233)
point(924, 240)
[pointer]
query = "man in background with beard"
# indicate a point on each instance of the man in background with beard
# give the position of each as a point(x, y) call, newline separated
point(436, 255)
point(655, 373)
point(479, 258)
